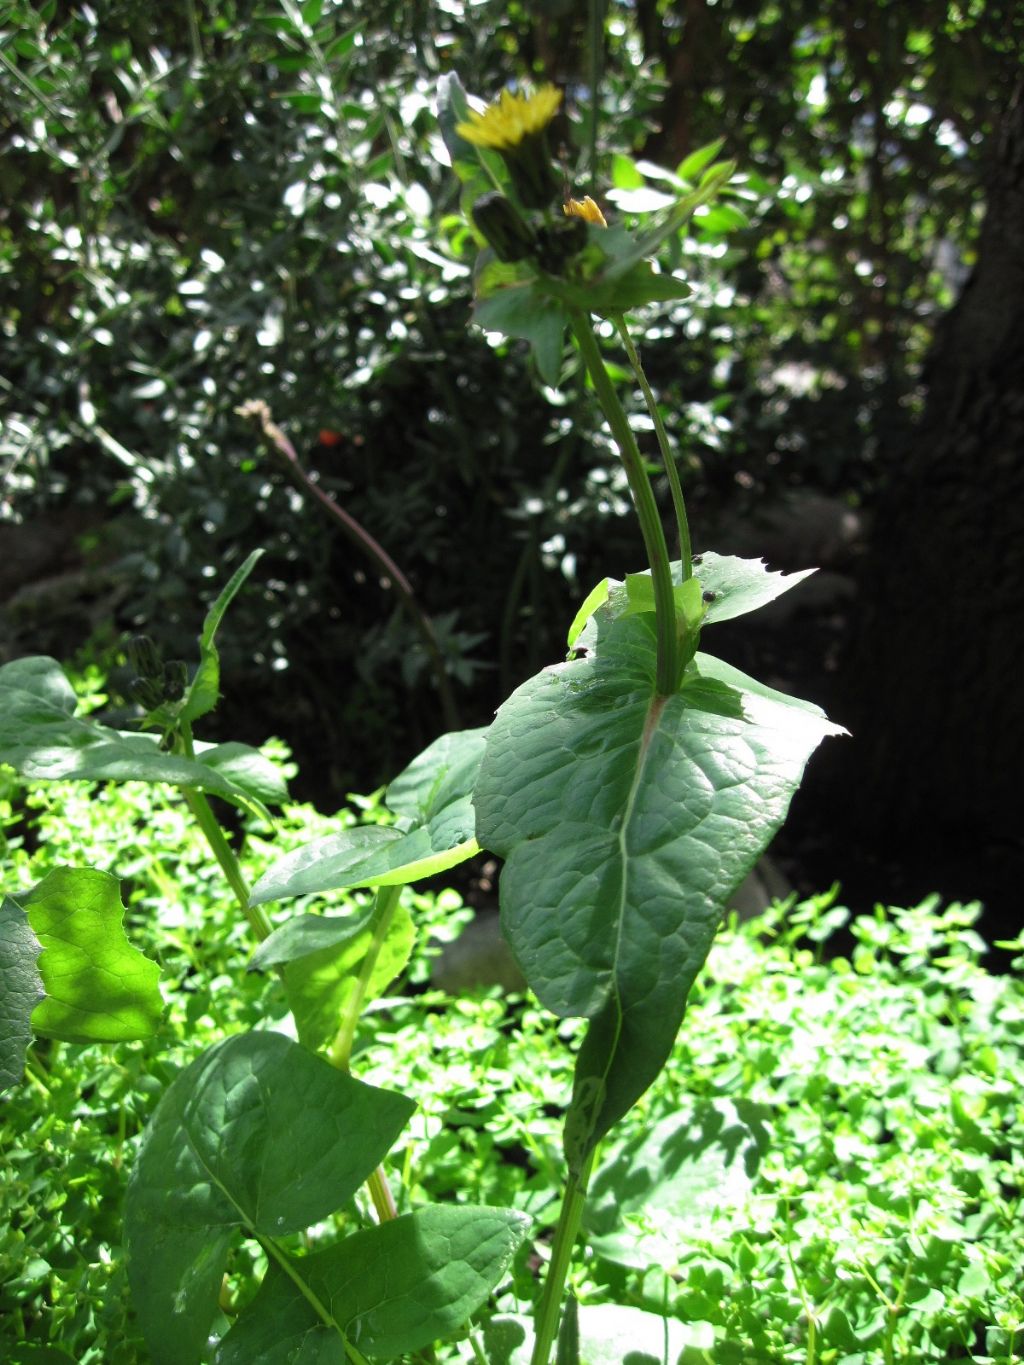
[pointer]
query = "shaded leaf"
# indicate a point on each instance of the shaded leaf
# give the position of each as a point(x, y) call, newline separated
point(433, 799)
point(99, 989)
point(259, 1135)
point(527, 311)
point(43, 740)
point(626, 821)
point(324, 956)
point(21, 989)
point(391, 1289)
point(684, 1178)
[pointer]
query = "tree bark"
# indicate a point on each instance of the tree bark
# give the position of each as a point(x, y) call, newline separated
point(933, 691)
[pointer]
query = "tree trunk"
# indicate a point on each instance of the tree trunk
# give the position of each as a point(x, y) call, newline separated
point(933, 691)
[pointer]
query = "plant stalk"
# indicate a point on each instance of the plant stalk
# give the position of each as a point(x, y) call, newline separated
point(549, 1311)
point(643, 500)
point(671, 470)
point(385, 905)
point(221, 849)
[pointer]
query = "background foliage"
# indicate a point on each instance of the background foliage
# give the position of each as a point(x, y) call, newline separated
point(247, 201)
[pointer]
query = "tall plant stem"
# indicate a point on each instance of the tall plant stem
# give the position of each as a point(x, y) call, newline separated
point(671, 471)
point(371, 547)
point(221, 849)
point(569, 1220)
point(643, 500)
point(384, 908)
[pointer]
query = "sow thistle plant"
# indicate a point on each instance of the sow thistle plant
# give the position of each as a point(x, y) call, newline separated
point(628, 789)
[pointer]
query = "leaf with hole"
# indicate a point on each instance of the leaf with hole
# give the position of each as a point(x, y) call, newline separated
point(99, 988)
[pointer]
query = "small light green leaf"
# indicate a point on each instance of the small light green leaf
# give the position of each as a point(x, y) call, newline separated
point(433, 799)
point(690, 168)
point(595, 598)
point(626, 821)
point(740, 585)
point(204, 690)
point(99, 989)
point(390, 1289)
point(21, 989)
point(259, 1135)
point(625, 175)
point(684, 1178)
point(324, 957)
point(43, 740)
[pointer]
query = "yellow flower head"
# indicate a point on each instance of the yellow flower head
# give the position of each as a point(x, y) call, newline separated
point(584, 208)
point(511, 118)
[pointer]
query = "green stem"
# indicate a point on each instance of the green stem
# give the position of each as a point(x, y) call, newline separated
point(558, 1267)
point(643, 499)
point(383, 913)
point(671, 471)
point(221, 849)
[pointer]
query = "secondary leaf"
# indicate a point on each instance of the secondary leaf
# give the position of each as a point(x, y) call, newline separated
point(99, 989)
point(684, 1178)
point(433, 800)
point(257, 1134)
point(626, 822)
point(43, 739)
point(21, 988)
point(391, 1289)
point(324, 956)
point(527, 311)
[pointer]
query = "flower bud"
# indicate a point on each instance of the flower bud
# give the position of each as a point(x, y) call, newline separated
point(559, 243)
point(499, 221)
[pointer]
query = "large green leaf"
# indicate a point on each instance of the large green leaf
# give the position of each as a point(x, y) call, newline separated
point(390, 1289)
point(259, 1135)
point(433, 799)
point(99, 989)
point(21, 989)
point(626, 821)
point(686, 1177)
point(325, 957)
point(43, 739)
point(609, 1335)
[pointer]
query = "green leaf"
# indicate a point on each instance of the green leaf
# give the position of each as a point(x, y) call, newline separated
point(432, 797)
point(626, 821)
point(529, 312)
point(469, 162)
point(739, 585)
point(43, 740)
point(21, 988)
point(204, 690)
point(391, 1289)
point(256, 1135)
point(323, 956)
point(595, 598)
point(682, 1179)
point(609, 1335)
point(99, 989)
point(691, 167)
point(646, 244)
